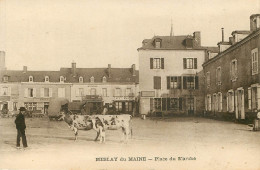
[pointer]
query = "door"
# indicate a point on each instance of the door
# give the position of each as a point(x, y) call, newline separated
point(240, 110)
point(190, 103)
point(46, 106)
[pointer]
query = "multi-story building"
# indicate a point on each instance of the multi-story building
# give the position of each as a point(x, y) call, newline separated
point(32, 89)
point(232, 77)
point(171, 76)
point(98, 86)
point(104, 86)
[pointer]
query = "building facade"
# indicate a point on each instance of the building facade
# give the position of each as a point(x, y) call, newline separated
point(232, 77)
point(171, 76)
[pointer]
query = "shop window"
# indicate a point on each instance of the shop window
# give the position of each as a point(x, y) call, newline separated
point(157, 103)
point(119, 106)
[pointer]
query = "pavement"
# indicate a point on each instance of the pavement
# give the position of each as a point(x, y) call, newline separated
point(169, 143)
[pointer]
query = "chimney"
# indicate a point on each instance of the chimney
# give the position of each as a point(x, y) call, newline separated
point(24, 69)
point(73, 68)
point(2, 60)
point(254, 22)
point(109, 70)
point(222, 34)
point(133, 70)
point(196, 36)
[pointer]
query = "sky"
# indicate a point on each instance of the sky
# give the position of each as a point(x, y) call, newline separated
point(48, 34)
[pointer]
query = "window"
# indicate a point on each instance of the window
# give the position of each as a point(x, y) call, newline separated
point(219, 102)
point(209, 102)
point(46, 92)
point(173, 103)
point(190, 63)
point(5, 91)
point(230, 101)
point(104, 92)
point(218, 76)
point(190, 82)
point(158, 103)
point(254, 101)
point(128, 91)
point(118, 92)
point(30, 92)
point(61, 92)
point(254, 54)
point(15, 106)
point(5, 78)
point(174, 82)
point(157, 44)
point(208, 78)
point(92, 91)
point(156, 63)
point(81, 92)
point(157, 82)
point(31, 106)
point(119, 106)
point(233, 70)
point(46, 79)
point(92, 79)
point(61, 79)
point(30, 78)
point(215, 102)
point(104, 79)
point(129, 106)
point(80, 79)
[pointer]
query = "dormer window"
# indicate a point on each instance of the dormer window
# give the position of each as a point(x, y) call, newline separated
point(30, 78)
point(80, 79)
point(46, 78)
point(92, 79)
point(61, 79)
point(104, 79)
point(158, 43)
point(5, 79)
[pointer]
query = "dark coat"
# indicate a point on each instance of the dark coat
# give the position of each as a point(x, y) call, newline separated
point(20, 122)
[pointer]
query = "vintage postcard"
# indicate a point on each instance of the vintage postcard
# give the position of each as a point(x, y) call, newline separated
point(129, 84)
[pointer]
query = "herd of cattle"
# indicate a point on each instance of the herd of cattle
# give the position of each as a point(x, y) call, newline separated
point(99, 123)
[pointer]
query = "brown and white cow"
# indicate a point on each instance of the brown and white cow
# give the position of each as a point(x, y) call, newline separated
point(99, 123)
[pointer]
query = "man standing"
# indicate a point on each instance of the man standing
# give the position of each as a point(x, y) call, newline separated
point(20, 126)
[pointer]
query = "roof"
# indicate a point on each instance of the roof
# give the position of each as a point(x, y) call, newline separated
point(173, 43)
point(212, 49)
point(241, 32)
point(117, 75)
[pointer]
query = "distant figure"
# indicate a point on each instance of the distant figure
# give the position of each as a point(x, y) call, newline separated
point(20, 126)
point(104, 111)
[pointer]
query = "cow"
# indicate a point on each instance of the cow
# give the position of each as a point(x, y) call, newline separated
point(99, 123)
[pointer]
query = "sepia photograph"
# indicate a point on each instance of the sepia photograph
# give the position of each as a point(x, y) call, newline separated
point(129, 84)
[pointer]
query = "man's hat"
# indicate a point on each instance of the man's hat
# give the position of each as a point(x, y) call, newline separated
point(22, 109)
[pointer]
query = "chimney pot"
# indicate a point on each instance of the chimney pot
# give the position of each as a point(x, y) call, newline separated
point(133, 70)
point(24, 69)
point(222, 34)
point(73, 68)
point(109, 70)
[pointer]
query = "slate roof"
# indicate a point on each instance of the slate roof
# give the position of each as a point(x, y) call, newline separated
point(241, 32)
point(174, 43)
point(117, 75)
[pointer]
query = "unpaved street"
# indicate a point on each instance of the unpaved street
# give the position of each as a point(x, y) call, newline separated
point(156, 144)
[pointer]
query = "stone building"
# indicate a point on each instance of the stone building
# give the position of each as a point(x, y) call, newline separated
point(232, 76)
point(170, 74)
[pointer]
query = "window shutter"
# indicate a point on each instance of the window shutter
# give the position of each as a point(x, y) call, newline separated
point(162, 63)
point(196, 82)
point(233, 102)
point(184, 83)
point(256, 58)
point(151, 63)
point(34, 92)
point(184, 63)
point(168, 82)
point(42, 92)
point(195, 63)
point(236, 104)
point(227, 98)
point(236, 69)
point(242, 105)
point(258, 97)
point(26, 92)
point(151, 104)
point(249, 98)
point(220, 102)
point(157, 82)
point(210, 103)
point(206, 103)
point(230, 71)
point(50, 92)
point(180, 103)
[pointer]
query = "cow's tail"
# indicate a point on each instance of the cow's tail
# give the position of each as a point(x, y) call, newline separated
point(131, 128)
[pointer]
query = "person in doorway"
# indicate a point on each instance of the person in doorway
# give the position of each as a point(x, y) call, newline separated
point(21, 126)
